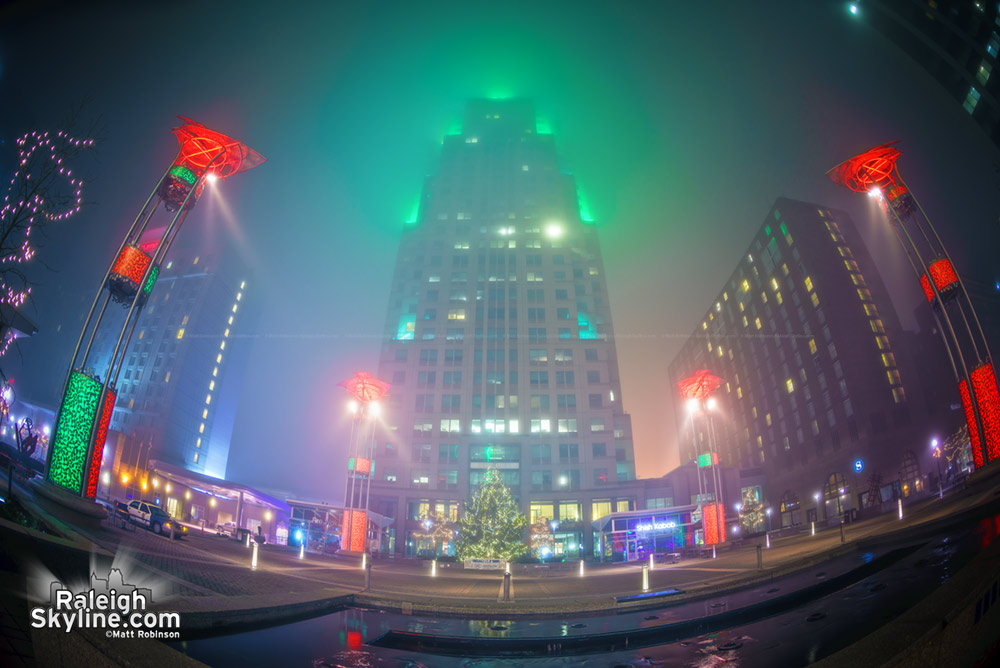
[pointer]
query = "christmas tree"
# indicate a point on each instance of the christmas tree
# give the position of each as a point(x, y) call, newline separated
point(491, 526)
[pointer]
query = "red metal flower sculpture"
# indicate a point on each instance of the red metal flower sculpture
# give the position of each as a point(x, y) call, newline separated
point(699, 385)
point(365, 388)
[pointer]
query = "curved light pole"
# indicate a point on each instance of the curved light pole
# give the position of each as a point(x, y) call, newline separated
point(874, 172)
point(88, 398)
point(366, 391)
point(697, 390)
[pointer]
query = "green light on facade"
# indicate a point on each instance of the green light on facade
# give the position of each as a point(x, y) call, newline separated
point(708, 459)
point(414, 213)
point(542, 127)
point(587, 330)
point(455, 128)
point(583, 206)
point(72, 438)
point(784, 230)
point(153, 274)
point(407, 327)
point(499, 94)
point(183, 173)
point(767, 230)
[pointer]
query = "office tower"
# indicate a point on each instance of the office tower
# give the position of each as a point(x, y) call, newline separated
point(805, 338)
point(499, 344)
point(957, 43)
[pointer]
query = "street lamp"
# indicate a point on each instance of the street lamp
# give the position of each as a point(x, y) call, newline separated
point(697, 390)
point(936, 452)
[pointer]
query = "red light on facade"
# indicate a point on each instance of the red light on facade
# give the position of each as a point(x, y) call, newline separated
point(713, 518)
point(873, 168)
point(365, 388)
point(102, 435)
point(362, 465)
point(128, 270)
point(200, 146)
point(698, 386)
point(353, 639)
point(970, 421)
point(945, 279)
point(353, 531)
point(984, 387)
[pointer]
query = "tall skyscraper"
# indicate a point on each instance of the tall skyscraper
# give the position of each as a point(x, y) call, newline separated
point(181, 377)
point(499, 344)
point(956, 42)
point(816, 392)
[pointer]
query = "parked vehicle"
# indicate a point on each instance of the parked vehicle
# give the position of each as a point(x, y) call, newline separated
point(228, 530)
point(154, 518)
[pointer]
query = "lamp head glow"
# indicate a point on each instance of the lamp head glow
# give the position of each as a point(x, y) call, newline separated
point(875, 192)
point(374, 409)
point(352, 406)
point(711, 404)
point(816, 496)
point(768, 511)
point(562, 480)
point(211, 177)
point(554, 230)
point(934, 443)
point(692, 405)
point(853, 9)
point(168, 488)
point(739, 507)
point(106, 479)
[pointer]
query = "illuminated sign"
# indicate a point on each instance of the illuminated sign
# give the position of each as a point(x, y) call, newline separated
point(859, 465)
point(657, 526)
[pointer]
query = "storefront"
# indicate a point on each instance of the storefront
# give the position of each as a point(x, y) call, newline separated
point(635, 534)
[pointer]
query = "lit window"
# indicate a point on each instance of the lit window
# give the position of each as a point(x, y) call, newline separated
point(226, 333)
point(166, 379)
point(774, 284)
point(971, 100)
point(757, 321)
point(208, 399)
point(142, 333)
point(230, 320)
point(239, 296)
point(197, 443)
point(809, 283)
point(812, 346)
point(211, 385)
point(222, 346)
point(234, 308)
point(215, 371)
point(170, 264)
point(196, 260)
point(185, 320)
point(790, 385)
point(456, 314)
point(243, 284)
point(196, 458)
point(201, 428)
point(815, 300)
point(218, 358)
point(204, 414)
point(983, 73)
point(180, 333)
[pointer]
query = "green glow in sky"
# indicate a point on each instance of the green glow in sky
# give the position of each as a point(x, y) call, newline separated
point(414, 213)
point(583, 205)
point(542, 126)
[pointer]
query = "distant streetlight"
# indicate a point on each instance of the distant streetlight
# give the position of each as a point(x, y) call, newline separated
point(853, 8)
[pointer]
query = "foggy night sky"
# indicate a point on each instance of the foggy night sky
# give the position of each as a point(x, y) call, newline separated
point(681, 122)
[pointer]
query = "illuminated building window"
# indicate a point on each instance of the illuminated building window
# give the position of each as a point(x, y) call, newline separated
point(893, 376)
point(170, 264)
point(222, 346)
point(983, 73)
point(180, 333)
point(230, 320)
point(204, 414)
point(882, 342)
point(763, 297)
point(888, 359)
point(166, 379)
point(142, 333)
point(739, 392)
point(815, 300)
point(767, 419)
point(898, 395)
point(215, 371)
point(757, 322)
point(208, 399)
point(812, 346)
point(709, 344)
point(774, 284)
point(243, 284)
point(226, 333)
point(746, 285)
point(211, 385)
point(197, 443)
point(201, 428)
point(196, 260)
point(218, 358)
point(196, 458)
point(235, 306)
point(790, 385)
point(777, 295)
point(809, 283)
point(185, 320)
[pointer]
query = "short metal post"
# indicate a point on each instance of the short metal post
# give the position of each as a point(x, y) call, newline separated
point(768, 537)
point(253, 559)
point(651, 565)
point(899, 502)
point(302, 550)
point(760, 557)
point(506, 586)
point(368, 574)
point(713, 552)
point(248, 538)
point(434, 568)
point(645, 577)
point(843, 535)
point(814, 527)
point(581, 568)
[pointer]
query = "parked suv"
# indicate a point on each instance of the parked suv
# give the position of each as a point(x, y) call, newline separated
point(228, 530)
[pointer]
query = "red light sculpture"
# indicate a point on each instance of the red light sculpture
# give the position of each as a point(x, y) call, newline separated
point(699, 385)
point(74, 459)
point(366, 390)
point(875, 172)
point(945, 279)
point(713, 518)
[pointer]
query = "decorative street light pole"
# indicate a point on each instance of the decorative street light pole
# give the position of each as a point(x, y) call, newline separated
point(88, 397)
point(874, 172)
point(697, 390)
point(366, 391)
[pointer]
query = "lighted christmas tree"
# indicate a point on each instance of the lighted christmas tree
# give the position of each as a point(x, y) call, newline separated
point(491, 526)
point(751, 511)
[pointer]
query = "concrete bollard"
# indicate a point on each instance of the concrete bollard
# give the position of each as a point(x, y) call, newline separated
point(506, 586)
point(843, 535)
point(768, 537)
point(713, 552)
point(302, 550)
point(760, 557)
point(434, 568)
point(814, 528)
point(899, 502)
point(248, 539)
point(651, 565)
point(645, 577)
point(581, 567)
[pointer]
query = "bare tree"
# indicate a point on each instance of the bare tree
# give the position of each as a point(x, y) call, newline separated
point(42, 191)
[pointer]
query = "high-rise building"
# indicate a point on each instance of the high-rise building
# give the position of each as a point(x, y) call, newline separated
point(499, 344)
point(816, 392)
point(956, 41)
point(181, 377)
